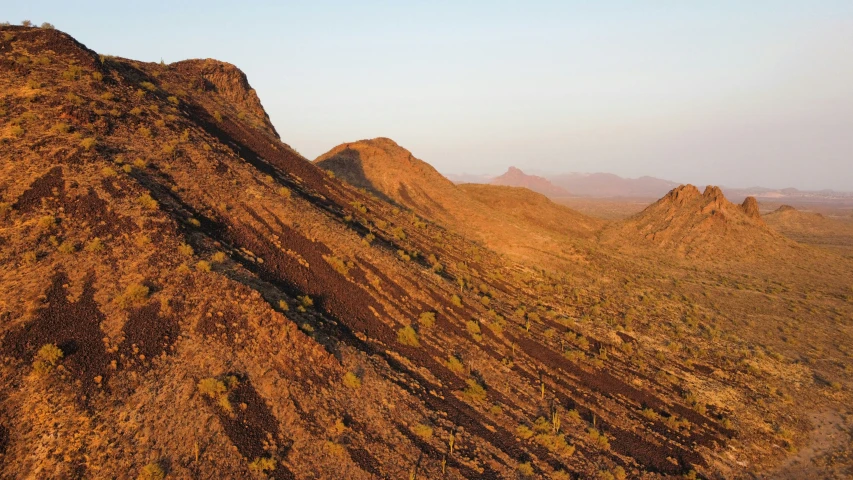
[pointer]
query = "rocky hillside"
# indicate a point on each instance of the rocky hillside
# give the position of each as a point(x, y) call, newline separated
point(186, 296)
point(514, 221)
point(514, 177)
point(704, 225)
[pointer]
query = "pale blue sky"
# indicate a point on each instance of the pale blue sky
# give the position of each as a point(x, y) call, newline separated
point(736, 93)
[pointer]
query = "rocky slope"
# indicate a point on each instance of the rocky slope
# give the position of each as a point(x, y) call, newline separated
point(705, 225)
point(514, 221)
point(186, 295)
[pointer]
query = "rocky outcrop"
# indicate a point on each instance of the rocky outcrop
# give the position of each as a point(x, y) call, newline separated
point(229, 82)
point(750, 208)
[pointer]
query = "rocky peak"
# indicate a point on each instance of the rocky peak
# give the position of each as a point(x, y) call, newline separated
point(229, 82)
point(750, 207)
point(682, 194)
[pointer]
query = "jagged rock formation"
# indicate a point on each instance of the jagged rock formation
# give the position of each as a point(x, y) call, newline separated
point(702, 225)
point(230, 83)
point(750, 208)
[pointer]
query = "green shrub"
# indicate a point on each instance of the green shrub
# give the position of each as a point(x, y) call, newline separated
point(455, 365)
point(474, 391)
point(50, 353)
point(173, 100)
point(148, 86)
point(73, 73)
point(472, 327)
point(423, 431)
point(147, 202)
point(598, 439)
point(46, 222)
point(525, 470)
point(352, 381)
point(95, 245)
point(455, 300)
point(408, 336)
point(88, 143)
point(134, 294)
point(202, 266)
point(152, 471)
point(524, 432)
point(67, 247)
point(426, 319)
point(262, 465)
point(219, 257)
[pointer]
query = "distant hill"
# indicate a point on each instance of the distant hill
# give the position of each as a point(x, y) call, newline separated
point(513, 220)
point(514, 177)
point(610, 185)
point(706, 225)
point(810, 228)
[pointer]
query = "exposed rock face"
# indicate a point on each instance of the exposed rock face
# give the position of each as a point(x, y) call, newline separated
point(702, 225)
point(229, 82)
point(514, 177)
point(682, 194)
point(750, 208)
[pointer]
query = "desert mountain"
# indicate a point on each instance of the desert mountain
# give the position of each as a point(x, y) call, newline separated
point(516, 178)
point(514, 221)
point(704, 224)
point(610, 185)
point(185, 296)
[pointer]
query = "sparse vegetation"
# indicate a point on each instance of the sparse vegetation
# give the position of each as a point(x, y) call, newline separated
point(408, 336)
point(423, 431)
point(147, 202)
point(455, 365)
point(474, 391)
point(152, 471)
point(47, 358)
point(426, 319)
point(352, 381)
point(262, 465)
point(135, 294)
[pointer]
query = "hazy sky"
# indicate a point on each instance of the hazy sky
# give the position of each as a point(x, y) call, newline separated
point(736, 93)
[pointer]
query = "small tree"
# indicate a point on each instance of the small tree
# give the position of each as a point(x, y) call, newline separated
point(26, 23)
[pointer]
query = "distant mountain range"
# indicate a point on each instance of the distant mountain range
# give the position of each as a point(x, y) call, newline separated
point(608, 185)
